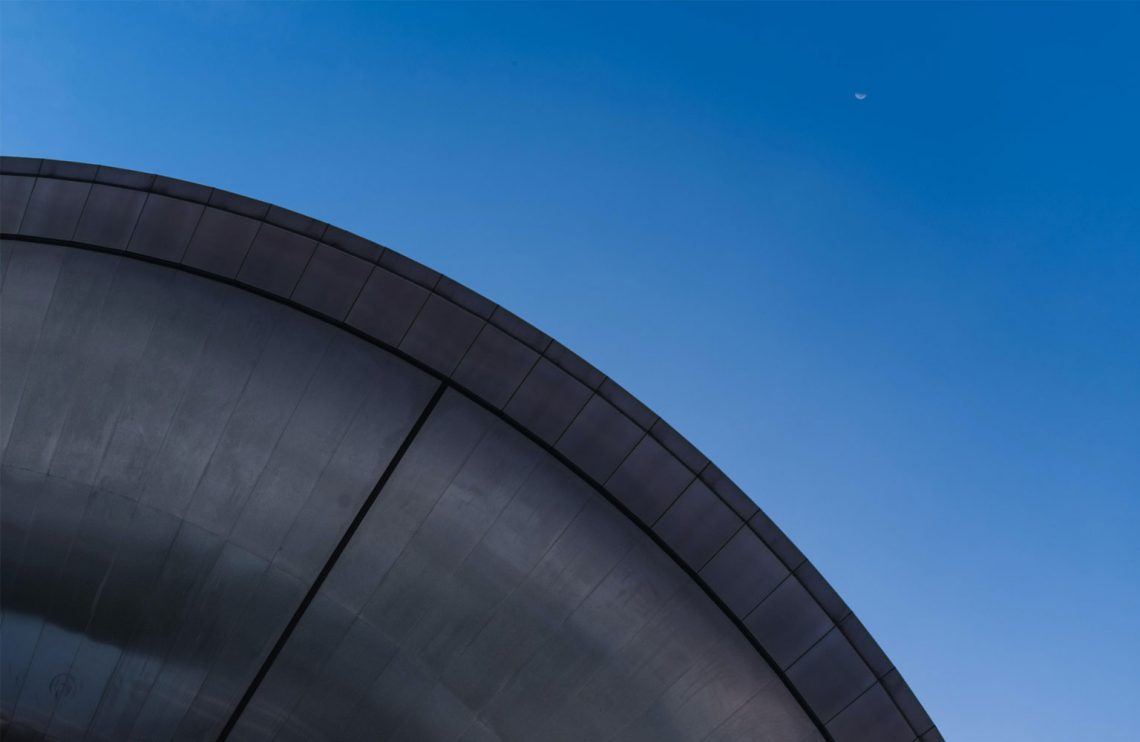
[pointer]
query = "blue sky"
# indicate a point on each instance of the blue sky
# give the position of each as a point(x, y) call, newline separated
point(909, 326)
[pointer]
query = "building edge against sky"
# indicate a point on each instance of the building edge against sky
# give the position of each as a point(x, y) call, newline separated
point(743, 562)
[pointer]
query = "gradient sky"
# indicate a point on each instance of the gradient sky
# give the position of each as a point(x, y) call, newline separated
point(909, 326)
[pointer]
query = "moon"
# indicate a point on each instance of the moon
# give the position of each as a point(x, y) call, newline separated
point(860, 96)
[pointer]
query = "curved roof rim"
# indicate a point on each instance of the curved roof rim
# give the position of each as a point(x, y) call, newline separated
point(716, 532)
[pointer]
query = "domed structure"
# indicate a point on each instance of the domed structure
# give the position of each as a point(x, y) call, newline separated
point(265, 479)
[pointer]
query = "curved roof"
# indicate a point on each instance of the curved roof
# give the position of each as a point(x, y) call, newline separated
point(719, 536)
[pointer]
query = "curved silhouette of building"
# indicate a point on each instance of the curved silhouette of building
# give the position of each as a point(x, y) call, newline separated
point(265, 479)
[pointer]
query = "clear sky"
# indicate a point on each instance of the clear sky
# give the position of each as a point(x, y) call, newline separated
point(908, 325)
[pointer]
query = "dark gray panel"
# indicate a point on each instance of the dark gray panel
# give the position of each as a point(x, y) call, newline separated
point(465, 297)
point(122, 328)
point(649, 480)
point(20, 490)
point(183, 322)
point(788, 552)
point(388, 401)
point(276, 260)
point(677, 445)
point(871, 717)
point(715, 683)
point(109, 217)
point(20, 165)
point(220, 242)
point(210, 392)
point(125, 178)
point(30, 275)
point(339, 683)
point(631, 406)
point(520, 329)
point(181, 189)
point(386, 306)
point(744, 572)
point(632, 678)
point(352, 244)
point(591, 546)
point(15, 190)
point(489, 557)
point(865, 645)
point(788, 622)
point(115, 616)
point(904, 698)
point(410, 269)
point(609, 616)
point(437, 457)
point(54, 208)
point(495, 365)
point(220, 603)
point(441, 717)
point(186, 568)
point(824, 594)
point(273, 377)
point(441, 334)
point(277, 595)
point(403, 685)
point(477, 732)
point(331, 282)
point(547, 401)
point(831, 675)
point(57, 355)
point(697, 525)
point(295, 669)
point(326, 455)
point(165, 227)
point(599, 439)
point(760, 719)
point(141, 608)
point(58, 512)
point(574, 364)
point(69, 170)
point(249, 207)
point(294, 222)
point(727, 490)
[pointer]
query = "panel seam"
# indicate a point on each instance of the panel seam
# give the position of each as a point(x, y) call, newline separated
point(330, 563)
